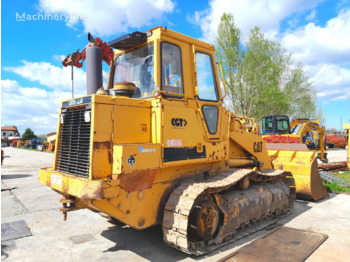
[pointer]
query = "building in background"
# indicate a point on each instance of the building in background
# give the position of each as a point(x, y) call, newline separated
point(8, 135)
point(51, 136)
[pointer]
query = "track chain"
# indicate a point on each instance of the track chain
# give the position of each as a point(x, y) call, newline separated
point(178, 207)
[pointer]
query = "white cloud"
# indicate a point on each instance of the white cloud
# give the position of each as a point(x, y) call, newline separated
point(58, 58)
point(266, 14)
point(108, 17)
point(58, 78)
point(30, 107)
point(312, 44)
point(324, 50)
point(311, 16)
point(36, 107)
point(332, 82)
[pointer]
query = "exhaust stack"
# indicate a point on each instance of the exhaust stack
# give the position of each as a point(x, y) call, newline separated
point(93, 66)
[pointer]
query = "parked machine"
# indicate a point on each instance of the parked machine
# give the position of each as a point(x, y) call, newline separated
point(158, 147)
point(306, 131)
point(347, 129)
point(311, 133)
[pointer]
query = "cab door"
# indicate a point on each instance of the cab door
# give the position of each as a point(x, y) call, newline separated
point(208, 95)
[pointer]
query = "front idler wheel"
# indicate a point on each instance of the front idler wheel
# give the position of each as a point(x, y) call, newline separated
point(203, 220)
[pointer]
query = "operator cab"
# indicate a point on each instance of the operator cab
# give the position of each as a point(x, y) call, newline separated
point(275, 124)
point(134, 64)
point(174, 67)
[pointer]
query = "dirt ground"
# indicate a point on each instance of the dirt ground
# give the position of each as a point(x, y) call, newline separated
point(86, 236)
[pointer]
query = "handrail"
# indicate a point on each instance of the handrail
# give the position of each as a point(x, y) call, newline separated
point(223, 79)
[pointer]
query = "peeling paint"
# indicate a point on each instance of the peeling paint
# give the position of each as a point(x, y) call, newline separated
point(138, 180)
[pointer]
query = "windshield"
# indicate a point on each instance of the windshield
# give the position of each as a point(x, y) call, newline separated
point(137, 67)
point(267, 125)
point(282, 124)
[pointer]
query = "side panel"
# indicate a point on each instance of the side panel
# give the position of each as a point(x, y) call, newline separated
point(101, 142)
point(135, 157)
point(182, 127)
point(131, 125)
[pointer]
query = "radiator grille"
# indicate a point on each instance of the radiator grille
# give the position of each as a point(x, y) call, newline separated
point(74, 142)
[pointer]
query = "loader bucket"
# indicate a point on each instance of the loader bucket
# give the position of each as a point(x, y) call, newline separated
point(303, 165)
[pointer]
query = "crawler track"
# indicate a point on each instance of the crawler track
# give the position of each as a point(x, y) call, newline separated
point(232, 227)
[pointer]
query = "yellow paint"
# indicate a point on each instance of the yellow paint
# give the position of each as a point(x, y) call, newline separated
point(303, 165)
point(147, 156)
point(78, 187)
point(347, 128)
point(129, 138)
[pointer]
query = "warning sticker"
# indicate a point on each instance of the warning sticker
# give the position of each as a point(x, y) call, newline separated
point(174, 142)
point(56, 180)
point(131, 160)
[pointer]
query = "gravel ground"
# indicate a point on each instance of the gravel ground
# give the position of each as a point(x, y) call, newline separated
point(329, 177)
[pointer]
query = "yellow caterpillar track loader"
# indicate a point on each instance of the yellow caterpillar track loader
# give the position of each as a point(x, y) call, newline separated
point(158, 147)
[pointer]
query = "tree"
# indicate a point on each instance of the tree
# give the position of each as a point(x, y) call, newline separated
point(43, 138)
point(16, 132)
point(28, 135)
point(261, 76)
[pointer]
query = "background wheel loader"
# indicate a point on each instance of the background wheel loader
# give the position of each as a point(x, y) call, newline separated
point(158, 147)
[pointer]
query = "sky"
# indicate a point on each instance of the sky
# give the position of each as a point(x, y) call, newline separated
point(37, 35)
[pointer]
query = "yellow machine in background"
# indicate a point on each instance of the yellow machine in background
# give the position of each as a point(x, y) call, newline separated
point(302, 129)
point(302, 126)
point(158, 147)
point(347, 128)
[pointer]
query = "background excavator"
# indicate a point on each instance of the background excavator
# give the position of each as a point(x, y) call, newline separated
point(306, 131)
point(157, 146)
point(311, 133)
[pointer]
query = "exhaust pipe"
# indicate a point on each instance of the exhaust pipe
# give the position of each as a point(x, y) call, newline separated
point(93, 66)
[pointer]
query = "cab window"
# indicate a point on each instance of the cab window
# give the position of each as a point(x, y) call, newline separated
point(172, 80)
point(282, 125)
point(137, 66)
point(211, 114)
point(207, 89)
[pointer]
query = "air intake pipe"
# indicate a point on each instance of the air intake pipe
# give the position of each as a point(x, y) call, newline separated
point(93, 66)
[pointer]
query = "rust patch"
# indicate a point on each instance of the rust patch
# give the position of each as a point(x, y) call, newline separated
point(110, 157)
point(213, 143)
point(138, 180)
point(98, 194)
point(102, 145)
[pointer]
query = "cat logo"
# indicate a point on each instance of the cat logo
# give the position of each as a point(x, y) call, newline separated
point(257, 147)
